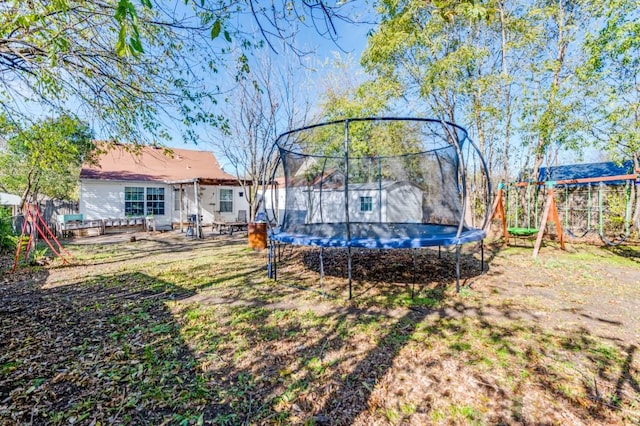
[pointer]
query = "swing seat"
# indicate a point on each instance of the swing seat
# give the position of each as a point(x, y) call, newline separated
point(522, 232)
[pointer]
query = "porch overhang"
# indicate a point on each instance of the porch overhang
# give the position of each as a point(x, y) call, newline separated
point(204, 181)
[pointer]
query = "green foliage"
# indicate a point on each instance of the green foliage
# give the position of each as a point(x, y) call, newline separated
point(129, 41)
point(116, 61)
point(39, 254)
point(7, 237)
point(617, 212)
point(137, 67)
point(431, 51)
point(613, 58)
point(465, 61)
point(44, 157)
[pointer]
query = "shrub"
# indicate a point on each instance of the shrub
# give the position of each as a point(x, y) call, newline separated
point(8, 239)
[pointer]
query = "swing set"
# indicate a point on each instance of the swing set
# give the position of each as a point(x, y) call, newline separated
point(521, 217)
point(524, 221)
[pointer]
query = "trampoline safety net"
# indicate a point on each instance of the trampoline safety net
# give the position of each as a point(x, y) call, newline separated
point(373, 182)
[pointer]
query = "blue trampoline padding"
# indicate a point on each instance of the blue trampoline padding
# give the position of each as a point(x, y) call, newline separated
point(376, 235)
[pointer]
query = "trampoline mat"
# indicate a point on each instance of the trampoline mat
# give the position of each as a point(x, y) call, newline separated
point(376, 235)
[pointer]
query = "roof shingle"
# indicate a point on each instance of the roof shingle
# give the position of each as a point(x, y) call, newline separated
point(156, 164)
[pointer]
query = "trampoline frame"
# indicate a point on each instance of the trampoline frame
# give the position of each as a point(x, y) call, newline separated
point(457, 234)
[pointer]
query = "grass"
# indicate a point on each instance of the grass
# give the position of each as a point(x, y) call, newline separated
point(151, 333)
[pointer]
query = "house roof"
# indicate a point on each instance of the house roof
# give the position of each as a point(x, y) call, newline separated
point(169, 165)
point(9, 199)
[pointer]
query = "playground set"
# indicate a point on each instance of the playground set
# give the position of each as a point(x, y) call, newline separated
point(34, 227)
point(595, 197)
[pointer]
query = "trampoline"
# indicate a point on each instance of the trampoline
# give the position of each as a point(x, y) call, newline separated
point(376, 183)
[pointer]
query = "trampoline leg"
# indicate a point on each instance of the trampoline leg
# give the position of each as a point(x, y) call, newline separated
point(482, 256)
point(415, 269)
point(274, 269)
point(270, 261)
point(349, 271)
point(322, 271)
point(439, 253)
point(458, 268)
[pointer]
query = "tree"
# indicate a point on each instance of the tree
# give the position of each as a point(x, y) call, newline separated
point(553, 113)
point(44, 158)
point(506, 70)
point(348, 94)
point(614, 60)
point(86, 57)
point(267, 101)
point(135, 70)
point(442, 55)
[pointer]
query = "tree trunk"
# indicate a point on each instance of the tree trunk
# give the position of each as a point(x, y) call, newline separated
point(634, 193)
point(537, 163)
point(27, 191)
point(507, 95)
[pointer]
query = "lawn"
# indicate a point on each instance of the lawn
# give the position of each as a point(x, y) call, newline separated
point(168, 330)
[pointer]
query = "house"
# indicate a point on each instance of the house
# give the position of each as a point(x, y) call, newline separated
point(168, 184)
point(315, 193)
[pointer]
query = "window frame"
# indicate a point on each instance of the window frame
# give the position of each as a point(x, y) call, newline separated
point(366, 203)
point(227, 203)
point(134, 200)
point(144, 201)
point(155, 201)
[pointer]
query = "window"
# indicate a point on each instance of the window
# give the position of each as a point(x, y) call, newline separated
point(133, 201)
point(366, 204)
point(226, 200)
point(155, 201)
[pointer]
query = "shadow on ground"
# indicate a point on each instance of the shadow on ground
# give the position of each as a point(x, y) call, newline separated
point(421, 272)
point(626, 251)
point(145, 246)
point(105, 350)
point(457, 364)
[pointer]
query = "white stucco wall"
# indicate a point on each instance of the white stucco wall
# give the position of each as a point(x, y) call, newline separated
point(403, 204)
point(101, 200)
point(105, 199)
point(274, 202)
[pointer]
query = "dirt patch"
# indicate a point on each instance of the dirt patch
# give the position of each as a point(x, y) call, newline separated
point(588, 287)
